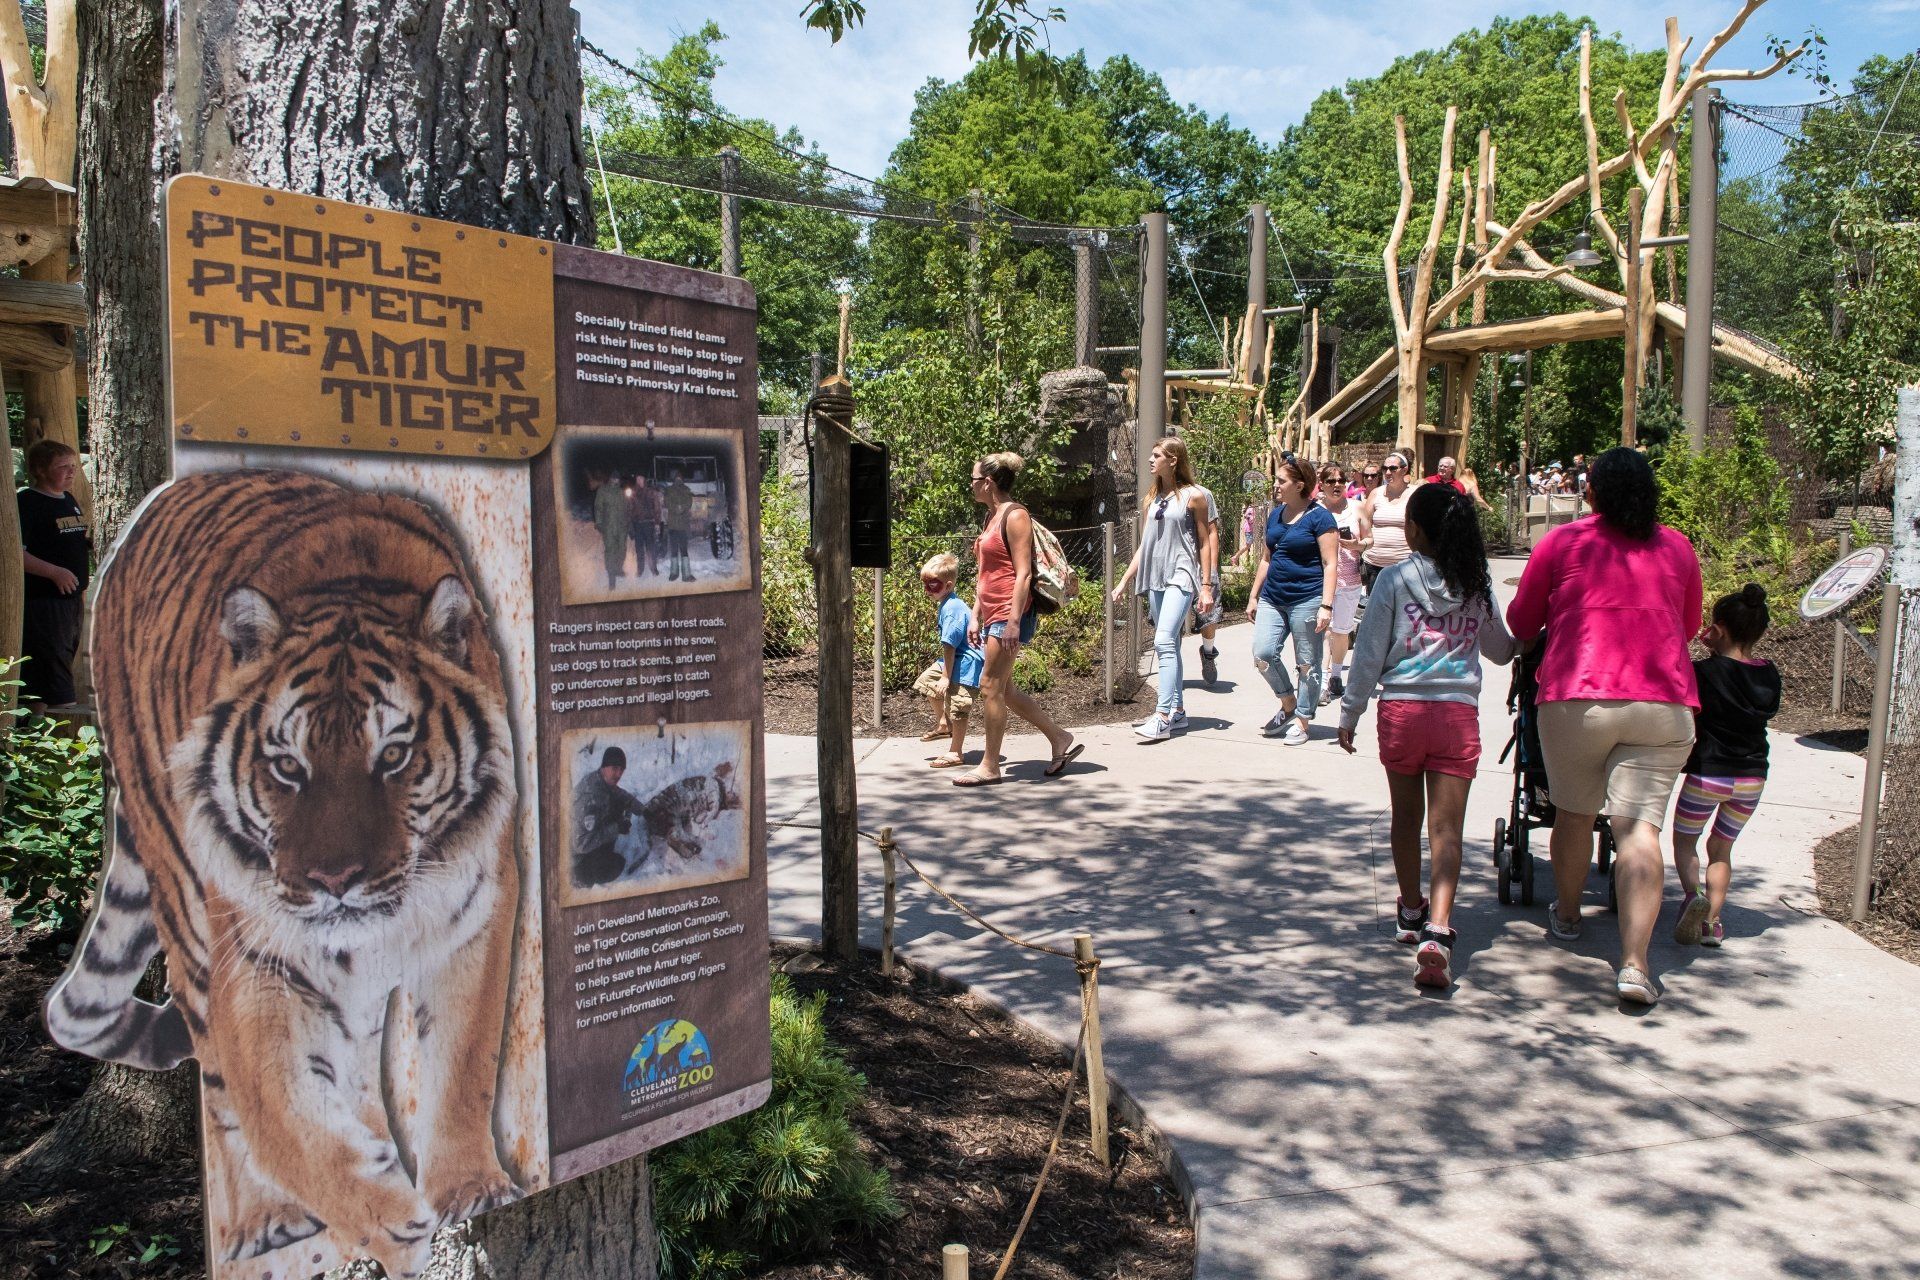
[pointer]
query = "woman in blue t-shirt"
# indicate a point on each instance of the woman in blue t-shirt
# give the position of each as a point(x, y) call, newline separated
point(1293, 595)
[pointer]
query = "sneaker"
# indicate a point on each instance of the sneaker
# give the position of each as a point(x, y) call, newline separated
point(1156, 729)
point(1434, 956)
point(1408, 924)
point(1296, 734)
point(1178, 720)
point(1278, 724)
point(1634, 986)
point(1712, 934)
point(1209, 665)
point(1693, 914)
point(1559, 929)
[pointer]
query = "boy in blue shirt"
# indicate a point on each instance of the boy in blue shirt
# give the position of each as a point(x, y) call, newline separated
point(953, 681)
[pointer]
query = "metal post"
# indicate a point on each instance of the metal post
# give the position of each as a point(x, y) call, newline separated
point(729, 212)
point(976, 206)
point(1840, 639)
point(1106, 600)
point(879, 641)
point(1086, 302)
point(1133, 611)
point(1703, 200)
point(1150, 422)
point(1257, 286)
point(1888, 650)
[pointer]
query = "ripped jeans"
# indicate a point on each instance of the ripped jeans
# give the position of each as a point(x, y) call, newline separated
point(1168, 609)
point(1271, 627)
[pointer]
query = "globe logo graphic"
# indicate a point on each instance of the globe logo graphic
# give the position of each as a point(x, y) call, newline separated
point(664, 1053)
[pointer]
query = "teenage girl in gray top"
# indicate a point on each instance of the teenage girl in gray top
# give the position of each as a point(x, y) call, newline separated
point(1173, 566)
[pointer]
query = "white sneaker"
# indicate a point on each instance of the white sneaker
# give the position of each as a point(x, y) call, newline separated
point(1178, 720)
point(1296, 734)
point(1155, 729)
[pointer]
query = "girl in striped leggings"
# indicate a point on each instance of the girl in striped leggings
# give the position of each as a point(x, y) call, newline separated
point(1728, 768)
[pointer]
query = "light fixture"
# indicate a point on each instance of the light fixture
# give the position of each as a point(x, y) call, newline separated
point(1581, 255)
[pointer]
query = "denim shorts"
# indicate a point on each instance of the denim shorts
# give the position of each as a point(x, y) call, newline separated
point(1029, 623)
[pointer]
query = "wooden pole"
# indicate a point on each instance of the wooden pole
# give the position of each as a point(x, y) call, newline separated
point(1630, 383)
point(889, 889)
point(1840, 639)
point(729, 212)
point(1096, 1066)
point(832, 557)
point(1876, 751)
point(879, 644)
point(953, 1262)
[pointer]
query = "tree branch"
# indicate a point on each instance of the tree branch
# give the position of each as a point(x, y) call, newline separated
point(1594, 210)
point(1391, 256)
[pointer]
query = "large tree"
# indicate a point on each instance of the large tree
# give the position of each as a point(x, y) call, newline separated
point(451, 108)
point(791, 254)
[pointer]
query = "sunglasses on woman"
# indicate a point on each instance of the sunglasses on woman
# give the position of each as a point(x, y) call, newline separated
point(1393, 468)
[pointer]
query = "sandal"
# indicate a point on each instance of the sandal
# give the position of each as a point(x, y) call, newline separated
point(1065, 758)
point(978, 780)
point(935, 735)
point(951, 760)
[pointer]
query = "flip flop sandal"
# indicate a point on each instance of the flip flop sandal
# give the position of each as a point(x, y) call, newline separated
point(975, 780)
point(948, 761)
point(1065, 758)
point(935, 735)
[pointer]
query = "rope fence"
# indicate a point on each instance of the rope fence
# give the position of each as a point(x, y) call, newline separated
point(1087, 1044)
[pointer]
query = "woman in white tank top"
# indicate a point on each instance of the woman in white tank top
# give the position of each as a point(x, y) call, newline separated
point(1383, 519)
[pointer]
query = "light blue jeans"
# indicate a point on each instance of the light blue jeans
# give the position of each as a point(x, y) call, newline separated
point(1271, 627)
point(1168, 609)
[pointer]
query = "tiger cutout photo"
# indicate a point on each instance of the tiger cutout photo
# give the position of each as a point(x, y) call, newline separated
point(305, 719)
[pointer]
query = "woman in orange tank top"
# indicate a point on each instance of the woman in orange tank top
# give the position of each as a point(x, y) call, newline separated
point(1003, 618)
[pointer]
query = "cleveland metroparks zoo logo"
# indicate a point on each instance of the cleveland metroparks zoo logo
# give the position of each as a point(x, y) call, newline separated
point(671, 1057)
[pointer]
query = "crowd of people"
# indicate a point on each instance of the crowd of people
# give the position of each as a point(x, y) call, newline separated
point(1381, 590)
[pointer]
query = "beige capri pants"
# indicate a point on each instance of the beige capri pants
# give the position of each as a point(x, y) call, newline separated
point(1615, 757)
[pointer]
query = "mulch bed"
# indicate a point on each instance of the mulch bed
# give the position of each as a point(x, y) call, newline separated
point(960, 1108)
point(46, 1231)
point(1833, 873)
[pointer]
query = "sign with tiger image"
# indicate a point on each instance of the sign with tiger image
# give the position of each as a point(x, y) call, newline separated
point(458, 875)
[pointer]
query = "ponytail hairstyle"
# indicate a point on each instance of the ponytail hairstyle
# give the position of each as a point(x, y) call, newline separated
point(1001, 469)
point(1452, 527)
point(1743, 614)
point(1624, 493)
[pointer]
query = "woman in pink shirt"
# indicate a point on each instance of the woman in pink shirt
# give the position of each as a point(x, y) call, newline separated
point(1619, 597)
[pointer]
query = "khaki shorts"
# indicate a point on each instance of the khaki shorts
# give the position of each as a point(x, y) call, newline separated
point(1615, 757)
point(959, 698)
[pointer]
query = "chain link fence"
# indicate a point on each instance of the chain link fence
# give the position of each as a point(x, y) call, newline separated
point(1896, 868)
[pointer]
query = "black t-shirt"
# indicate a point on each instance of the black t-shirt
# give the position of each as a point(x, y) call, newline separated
point(1736, 701)
point(56, 531)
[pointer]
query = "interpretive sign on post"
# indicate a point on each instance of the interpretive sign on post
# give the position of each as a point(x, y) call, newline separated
point(1842, 583)
point(431, 691)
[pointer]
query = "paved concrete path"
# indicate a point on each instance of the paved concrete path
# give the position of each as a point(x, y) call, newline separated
point(1762, 1120)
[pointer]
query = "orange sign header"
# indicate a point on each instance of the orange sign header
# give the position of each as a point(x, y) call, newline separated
point(313, 323)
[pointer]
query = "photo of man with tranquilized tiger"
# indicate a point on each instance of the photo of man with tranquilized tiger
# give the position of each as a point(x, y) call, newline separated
point(304, 711)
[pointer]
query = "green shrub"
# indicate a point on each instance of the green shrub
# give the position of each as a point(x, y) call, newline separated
point(1031, 674)
point(1730, 501)
point(777, 1182)
point(50, 823)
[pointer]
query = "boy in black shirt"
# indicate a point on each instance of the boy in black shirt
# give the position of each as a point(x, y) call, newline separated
point(53, 535)
point(1728, 768)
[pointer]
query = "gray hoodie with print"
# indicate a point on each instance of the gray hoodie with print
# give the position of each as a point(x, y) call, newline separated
point(1420, 642)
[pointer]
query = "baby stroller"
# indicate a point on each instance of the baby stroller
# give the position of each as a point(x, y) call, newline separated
point(1531, 809)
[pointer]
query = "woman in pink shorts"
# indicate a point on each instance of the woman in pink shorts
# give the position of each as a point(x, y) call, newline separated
point(1428, 622)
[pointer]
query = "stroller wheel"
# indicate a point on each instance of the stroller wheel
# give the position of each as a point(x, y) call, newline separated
point(1613, 889)
point(1499, 838)
point(1503, 865)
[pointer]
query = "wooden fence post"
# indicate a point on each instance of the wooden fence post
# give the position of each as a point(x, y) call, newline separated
point(887, 909)
point(831, 554)
point(953, 1262)
point(1096, 1064)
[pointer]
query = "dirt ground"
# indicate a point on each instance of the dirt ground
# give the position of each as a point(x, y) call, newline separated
point(961, 1106)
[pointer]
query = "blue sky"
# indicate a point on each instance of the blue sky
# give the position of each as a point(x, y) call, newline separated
point(1260, 63)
